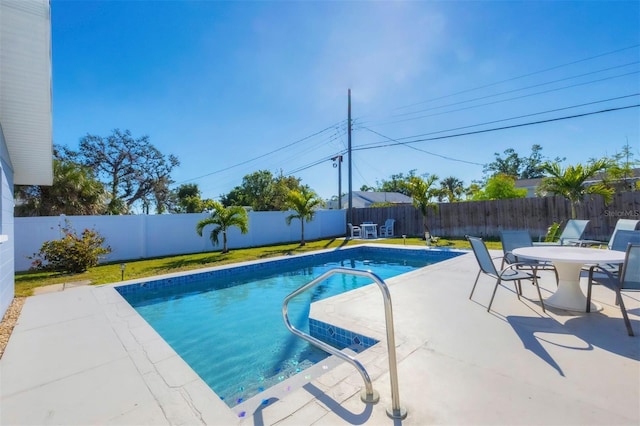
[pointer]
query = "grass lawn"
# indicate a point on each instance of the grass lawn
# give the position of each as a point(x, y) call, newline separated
point(110, 273)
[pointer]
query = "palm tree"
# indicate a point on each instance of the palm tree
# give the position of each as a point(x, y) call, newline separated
point(224, 218)
point(571, 182)
point(422, 193)
point(304, 203)
point(75, 191)
point(451, 189)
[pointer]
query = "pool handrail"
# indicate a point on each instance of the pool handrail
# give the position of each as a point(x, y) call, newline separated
point(368, 395)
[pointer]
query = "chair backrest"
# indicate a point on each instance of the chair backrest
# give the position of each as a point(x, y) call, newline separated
point(622, 239)
point(622, 225)
point(482, 255)
point(574, 229)
point(512, 240)
point(630, 274)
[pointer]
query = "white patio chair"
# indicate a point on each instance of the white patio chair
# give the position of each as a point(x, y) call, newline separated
point(386, 230)
point(355, 231)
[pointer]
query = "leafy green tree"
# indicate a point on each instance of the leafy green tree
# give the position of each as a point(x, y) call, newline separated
point(235, 197)
point(423, 192)
point(571, 182)
point(397, 183)
point(620, 171)
point(282, 186)
point(262, 191)
point(451, 189)
point(222, 218)
point(133, 170)
point(258, 189)
point(75, 191)
point(500, 187)
point(472, 190)
point(189, 199)
point(304, 203)
point(519, 167)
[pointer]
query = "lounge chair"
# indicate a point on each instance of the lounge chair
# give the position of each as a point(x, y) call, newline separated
point(627, 280)
point(386, 230)
point(510, 273)
point(571, 234)
point(622, 225)
point(622, 238)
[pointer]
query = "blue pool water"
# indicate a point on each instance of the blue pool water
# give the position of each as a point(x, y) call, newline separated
point(228, 326)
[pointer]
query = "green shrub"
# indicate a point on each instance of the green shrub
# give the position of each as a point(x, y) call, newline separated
point(72, 253)
point(553, 233)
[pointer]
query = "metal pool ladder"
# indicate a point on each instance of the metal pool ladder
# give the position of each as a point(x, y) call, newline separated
point(368, 395)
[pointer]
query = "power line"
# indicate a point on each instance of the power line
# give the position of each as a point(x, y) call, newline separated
point(522, 76)
point(396, 142)
point(226, 180)
point(421, 150)
point(291, 156)
point(263, 155)
point(505, 119)
point(498, 128)
point(315, 163)
point(510, 99)
point(520, 89)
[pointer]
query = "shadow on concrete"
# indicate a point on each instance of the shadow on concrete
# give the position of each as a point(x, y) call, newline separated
point(607, 333)
point(335, 407)
point(258, 418)
point(526, 327)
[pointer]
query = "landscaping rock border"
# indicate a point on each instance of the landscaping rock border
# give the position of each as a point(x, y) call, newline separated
point(9, 321)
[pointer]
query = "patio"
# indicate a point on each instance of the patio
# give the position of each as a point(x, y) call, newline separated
point(83, 356)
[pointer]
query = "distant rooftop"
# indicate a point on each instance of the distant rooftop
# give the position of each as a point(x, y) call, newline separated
point(365, 198)
point(532, 184)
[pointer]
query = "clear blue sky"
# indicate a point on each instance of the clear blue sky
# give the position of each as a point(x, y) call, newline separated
point(222, 85)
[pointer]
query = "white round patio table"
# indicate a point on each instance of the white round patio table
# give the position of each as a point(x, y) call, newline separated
point(568, 262)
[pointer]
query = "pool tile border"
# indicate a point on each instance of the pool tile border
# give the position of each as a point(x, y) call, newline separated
point(339, 337)
point(268, 265)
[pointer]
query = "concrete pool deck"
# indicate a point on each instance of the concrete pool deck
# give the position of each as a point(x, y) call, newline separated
point(83, 356)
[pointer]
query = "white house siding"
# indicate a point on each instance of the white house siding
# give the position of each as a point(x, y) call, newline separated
point(25, 89)
point(25, 116)
point(6, 228)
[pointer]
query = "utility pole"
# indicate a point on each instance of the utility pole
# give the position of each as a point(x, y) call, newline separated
point(338, 158)
point(350, 212)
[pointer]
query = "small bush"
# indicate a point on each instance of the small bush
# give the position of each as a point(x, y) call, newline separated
point(553, 233)
point(71, 253)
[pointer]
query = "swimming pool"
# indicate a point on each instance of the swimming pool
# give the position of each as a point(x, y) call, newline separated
point(227, 323)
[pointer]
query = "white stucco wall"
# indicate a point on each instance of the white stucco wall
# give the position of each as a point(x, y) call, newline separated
point(6, 228)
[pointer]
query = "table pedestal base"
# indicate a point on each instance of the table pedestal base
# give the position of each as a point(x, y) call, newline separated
point(569, 295)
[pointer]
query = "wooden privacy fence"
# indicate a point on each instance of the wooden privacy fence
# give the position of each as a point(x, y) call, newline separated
point(487, 218)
